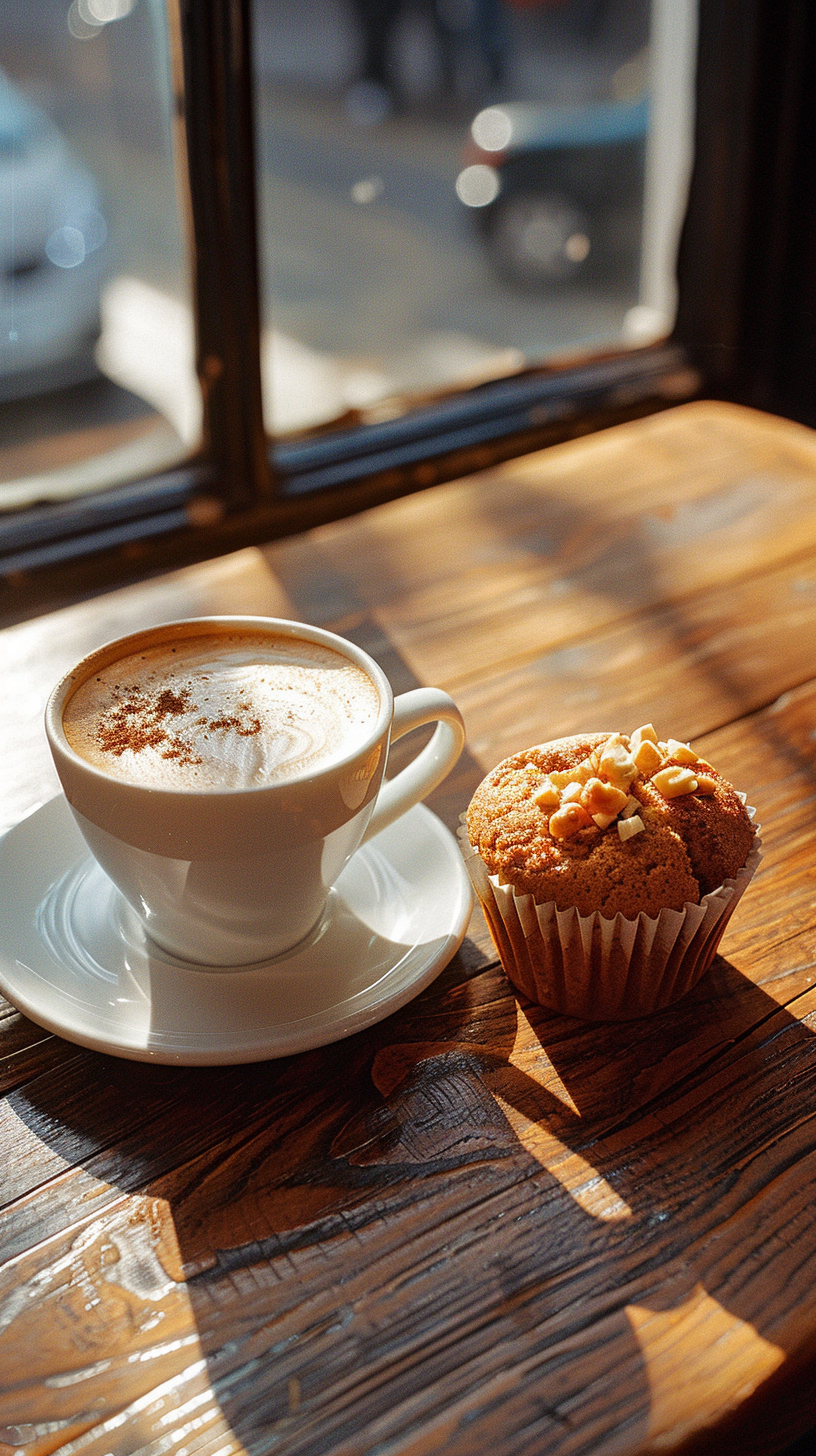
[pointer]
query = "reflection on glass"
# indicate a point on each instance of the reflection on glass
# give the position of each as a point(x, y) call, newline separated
point(453, 189)
point(97, 380)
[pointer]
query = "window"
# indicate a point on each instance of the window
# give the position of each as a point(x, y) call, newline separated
point(97, 368)
point(454, 190)
point(330, 261)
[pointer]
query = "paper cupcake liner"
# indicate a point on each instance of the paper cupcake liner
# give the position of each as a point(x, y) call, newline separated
point(598, 969)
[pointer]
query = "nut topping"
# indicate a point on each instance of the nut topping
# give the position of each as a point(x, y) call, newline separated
point(628, 827)
point(598, 797)
point(603, 821)
point(572, 794)
point(618, 765)
point(597, 790)
point(567, 820)
point(547, 795)
point(672, 782)
point(705, 784)
point(681, 752)
point(644, 734)
point(648, 757)
point(578, 775)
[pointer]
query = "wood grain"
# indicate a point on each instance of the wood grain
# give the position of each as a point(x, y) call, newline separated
point(476, 1223)
point(488, 571)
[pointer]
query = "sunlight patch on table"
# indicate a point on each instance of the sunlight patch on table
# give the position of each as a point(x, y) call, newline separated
point(529, 1055)
point(701, 1361)
point(585, 1185)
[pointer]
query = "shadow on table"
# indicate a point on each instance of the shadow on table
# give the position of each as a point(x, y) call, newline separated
point(477, 1220)
point(519, 1236)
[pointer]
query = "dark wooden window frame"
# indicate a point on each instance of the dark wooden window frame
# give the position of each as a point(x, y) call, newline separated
point(746, 326)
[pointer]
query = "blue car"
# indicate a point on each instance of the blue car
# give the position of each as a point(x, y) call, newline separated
point(558, 190)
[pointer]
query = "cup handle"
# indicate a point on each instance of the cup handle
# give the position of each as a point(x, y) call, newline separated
point(431, 766)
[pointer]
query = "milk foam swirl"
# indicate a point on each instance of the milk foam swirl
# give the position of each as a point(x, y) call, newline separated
point(228, 710)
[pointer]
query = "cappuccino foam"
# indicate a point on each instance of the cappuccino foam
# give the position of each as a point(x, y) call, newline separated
point(229, 710)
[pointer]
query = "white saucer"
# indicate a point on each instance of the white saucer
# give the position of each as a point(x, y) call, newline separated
point(74, 957)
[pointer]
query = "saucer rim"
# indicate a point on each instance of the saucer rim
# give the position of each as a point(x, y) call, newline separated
point(321, 1028)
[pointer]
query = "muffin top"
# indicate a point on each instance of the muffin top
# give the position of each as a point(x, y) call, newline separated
point(610, 822)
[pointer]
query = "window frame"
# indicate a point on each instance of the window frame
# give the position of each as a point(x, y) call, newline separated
point(748, 223)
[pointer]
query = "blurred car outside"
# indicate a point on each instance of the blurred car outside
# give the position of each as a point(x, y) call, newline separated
point(52, 253)
point(557, 190)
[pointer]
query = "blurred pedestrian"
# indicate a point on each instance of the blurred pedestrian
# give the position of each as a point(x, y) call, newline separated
point(375, 92)
point(472, 36)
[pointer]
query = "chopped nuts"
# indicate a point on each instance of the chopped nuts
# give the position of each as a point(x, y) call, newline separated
point(547, 795)
point(648, 757)
point(672, 782)
point(644, 734)
point(618, 765)
point(705, 784)
point(680, 752)
point(633, 825)
point(567, 820)
point(596, 791)
point(562, 777)
point(578, 775)
point(598, 797)
point(603, 821)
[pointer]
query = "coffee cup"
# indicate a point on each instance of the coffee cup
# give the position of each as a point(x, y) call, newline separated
point(223, 771)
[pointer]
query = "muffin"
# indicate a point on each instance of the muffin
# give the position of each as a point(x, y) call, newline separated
point(608, 866)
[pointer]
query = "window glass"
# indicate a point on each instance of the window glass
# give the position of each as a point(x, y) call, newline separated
point(97, 383)
point(452, 190)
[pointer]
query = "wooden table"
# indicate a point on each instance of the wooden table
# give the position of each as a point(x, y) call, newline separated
point(475, 1226)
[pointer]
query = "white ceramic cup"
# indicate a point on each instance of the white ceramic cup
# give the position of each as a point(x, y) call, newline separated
point(235, 876)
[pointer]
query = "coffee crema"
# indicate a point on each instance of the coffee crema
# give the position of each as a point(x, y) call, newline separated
point(226, 710)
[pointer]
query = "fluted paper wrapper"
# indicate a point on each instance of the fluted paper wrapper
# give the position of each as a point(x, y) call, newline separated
point(599, 969)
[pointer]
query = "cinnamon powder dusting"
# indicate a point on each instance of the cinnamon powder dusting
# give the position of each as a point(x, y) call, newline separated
point(137, 720)
point(244, 730)
point(140, 721)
